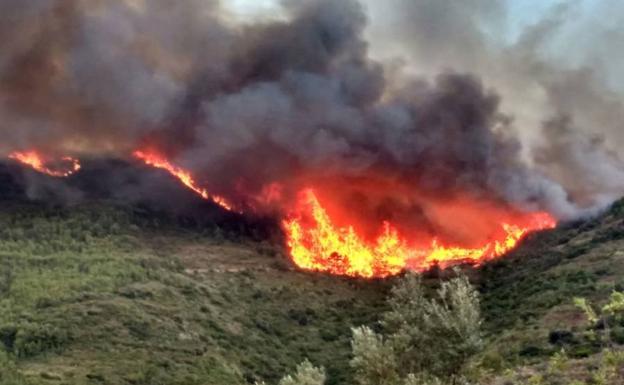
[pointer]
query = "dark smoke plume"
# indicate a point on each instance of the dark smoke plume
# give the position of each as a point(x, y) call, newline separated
point(299, 97)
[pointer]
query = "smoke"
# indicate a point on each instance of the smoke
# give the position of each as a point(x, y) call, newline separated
point(555, 70)
point(423, 97)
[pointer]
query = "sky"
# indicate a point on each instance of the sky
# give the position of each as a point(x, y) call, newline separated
point(520, 12)
point(591, 16)
point(526, 12)
point(251, 7)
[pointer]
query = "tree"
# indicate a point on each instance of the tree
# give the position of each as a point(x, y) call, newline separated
point(306, 374)
point(374, 359)
point(425, 338)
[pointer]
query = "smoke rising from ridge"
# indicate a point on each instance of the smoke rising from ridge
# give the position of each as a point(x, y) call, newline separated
point(301, 98)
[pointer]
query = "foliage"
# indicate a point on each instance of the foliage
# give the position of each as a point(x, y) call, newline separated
point(434, 335)
point(615, 306)
point(611, 313)
point(608, 368)
point(306, 374)
point(32, 339)
point(422, 380)
point(374, 360)
point(426, 338)
point(582, 304)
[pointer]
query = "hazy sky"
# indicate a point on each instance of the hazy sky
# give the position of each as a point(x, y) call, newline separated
point(251, 7)
point(520, 12)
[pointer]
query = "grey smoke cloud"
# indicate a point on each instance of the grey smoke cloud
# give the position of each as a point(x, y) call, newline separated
point(245, 104)
point(563, 65)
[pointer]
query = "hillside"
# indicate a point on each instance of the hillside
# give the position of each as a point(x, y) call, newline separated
point(90, 295)
point(531, 289)
point(102, 293)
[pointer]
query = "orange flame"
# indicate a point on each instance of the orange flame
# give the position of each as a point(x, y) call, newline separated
point(63, 168)
point(320, 245)
point(317, 243)
point(155, 160)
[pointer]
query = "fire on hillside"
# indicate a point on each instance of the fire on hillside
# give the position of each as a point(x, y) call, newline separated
point(323, 233)
point(56, 167)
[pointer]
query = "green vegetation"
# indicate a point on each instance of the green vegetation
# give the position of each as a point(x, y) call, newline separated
point(425, 341)
point(435, 341)
point(100, 294)
point(306, 374)
point(606, 368)
point(424, 338)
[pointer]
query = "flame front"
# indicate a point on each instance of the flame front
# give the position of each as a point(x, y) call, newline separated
point(316, 243)
point(155, 160)
point(63, 168)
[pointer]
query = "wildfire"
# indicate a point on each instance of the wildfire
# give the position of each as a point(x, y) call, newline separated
point(155, 160)
point(316, 243)
point(60, 168)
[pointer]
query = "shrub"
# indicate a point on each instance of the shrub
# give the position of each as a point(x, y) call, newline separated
point(31, 339)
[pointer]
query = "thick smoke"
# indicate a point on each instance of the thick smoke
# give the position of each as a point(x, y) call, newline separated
point(298, 99)
point(558, 70)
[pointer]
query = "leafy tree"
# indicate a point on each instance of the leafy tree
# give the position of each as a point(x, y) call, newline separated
point(374, 359)
point(306, 374)
point(426, 338)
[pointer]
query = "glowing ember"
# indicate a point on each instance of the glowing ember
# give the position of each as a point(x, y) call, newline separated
point(155, 160)
point(60, 168)
point(316, 243)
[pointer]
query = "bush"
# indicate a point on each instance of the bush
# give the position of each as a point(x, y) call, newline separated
point(7, 336)
point(31, 339)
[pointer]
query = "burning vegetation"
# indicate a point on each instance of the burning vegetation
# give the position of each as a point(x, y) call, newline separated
point(60, 168)
point(156, 160)
point(317, 243)
point(340, 242)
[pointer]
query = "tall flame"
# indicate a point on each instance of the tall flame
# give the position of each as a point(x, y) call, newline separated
point(158, 161)
point(62, 168)
point(318, 244)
